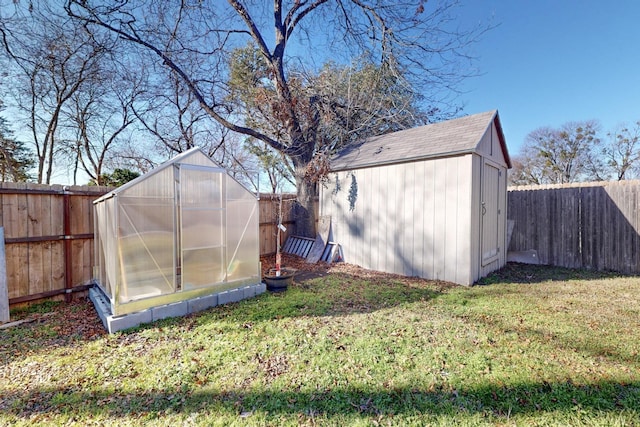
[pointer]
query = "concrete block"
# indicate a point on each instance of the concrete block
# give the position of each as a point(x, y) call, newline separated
point(175, 309)
point(202, 303)
point(261, 288)
point(525, 257)
point(102, 306)
point(232, 295)
point(248, 292)
point(130, 320)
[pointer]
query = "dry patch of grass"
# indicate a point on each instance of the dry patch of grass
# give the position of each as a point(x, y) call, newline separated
point(536, 346)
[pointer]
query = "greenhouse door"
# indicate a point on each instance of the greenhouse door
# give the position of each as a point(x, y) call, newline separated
point(202, 225)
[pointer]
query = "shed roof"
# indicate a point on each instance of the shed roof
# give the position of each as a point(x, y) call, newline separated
point(443, 139)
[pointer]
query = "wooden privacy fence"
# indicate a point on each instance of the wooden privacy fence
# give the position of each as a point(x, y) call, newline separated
point(585, 225)
point(268, 220)
point(49, 231)
point(48, 234)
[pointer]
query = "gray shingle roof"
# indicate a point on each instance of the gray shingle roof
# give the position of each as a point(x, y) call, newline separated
point(451, 137)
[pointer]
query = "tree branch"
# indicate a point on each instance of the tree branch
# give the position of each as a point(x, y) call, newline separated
point(167, 61)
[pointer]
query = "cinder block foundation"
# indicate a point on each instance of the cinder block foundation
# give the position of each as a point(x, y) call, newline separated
point(118, 323)
point(232, 295)
point(170, 310)
point(202, 303)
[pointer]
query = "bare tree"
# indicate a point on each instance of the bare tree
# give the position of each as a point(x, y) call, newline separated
point(52, 58)
point(528, 169)
point(239, 161)
point(98, 117)
point(176, 123)
point(562, 155)
point(621, 152)
point(171, 115)
point(415, 42)
point(277, 167)
point(129, 155)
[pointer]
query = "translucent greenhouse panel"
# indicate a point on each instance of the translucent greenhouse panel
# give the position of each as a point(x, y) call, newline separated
point(202, 267)
point(201, 187)
point(235, 191)
point(203, 229)
point(99, 251)
point(146, 247)
point(106, 243)
point(157, 185)
point(198, 158)
point(243, 252)
point(202, 247)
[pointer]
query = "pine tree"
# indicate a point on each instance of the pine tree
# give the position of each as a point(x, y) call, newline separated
point(15, 158)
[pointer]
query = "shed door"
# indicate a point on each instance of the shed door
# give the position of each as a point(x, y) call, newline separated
point(490, 212)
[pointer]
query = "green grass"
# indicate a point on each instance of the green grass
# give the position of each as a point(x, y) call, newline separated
point(536, 346)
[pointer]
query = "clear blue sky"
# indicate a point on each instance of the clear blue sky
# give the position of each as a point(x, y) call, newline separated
point(549, 62)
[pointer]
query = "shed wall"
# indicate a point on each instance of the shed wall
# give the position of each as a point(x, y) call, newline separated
point(413, 219)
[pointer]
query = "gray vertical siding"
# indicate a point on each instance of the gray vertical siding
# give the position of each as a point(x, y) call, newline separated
point(412, 219)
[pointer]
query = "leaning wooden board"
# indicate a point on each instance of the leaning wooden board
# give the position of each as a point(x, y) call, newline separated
point(322, 237)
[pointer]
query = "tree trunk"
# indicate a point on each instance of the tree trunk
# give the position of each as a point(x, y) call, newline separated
point(305, 212)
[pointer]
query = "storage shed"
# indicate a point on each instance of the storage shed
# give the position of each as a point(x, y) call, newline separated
point(185, 231)
point(428, 201)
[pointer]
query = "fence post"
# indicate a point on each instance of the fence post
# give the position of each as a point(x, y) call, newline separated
point(68, 262)
point(4, 288)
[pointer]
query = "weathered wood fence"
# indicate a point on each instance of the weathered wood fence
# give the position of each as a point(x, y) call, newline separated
point(268, 220)
point(48, 234)
point(585, 225)
point(49, 231)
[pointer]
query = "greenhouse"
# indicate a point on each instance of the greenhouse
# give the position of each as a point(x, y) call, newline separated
point(184, 231)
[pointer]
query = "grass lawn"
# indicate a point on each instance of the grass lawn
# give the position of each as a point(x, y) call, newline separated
point(533, 346)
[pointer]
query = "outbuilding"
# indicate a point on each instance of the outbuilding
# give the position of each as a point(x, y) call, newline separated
point(428, 201)
point(179, 239)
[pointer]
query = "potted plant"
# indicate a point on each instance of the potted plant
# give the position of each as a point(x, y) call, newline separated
point(278, 279)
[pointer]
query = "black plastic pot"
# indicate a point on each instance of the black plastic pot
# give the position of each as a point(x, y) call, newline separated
point(279, 283)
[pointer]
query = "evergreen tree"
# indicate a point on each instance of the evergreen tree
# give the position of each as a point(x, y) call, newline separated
point(15, 157)
point(117, 178)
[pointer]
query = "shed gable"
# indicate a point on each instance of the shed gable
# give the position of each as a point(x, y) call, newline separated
point(491, 145)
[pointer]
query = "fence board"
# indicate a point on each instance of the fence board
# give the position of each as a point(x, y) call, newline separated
point(586, 225)
point(34, 215)
point(35, 269)
point(57, 265)
point(47, 267)
point(11, 217)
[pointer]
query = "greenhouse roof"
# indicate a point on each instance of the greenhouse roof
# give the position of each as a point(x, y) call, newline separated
point(193, 156)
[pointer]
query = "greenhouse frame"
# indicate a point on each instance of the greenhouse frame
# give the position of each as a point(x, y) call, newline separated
point(183, 231)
